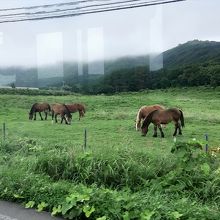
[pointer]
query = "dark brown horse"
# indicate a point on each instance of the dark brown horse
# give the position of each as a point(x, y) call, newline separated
point(77, 107)
point(63, 111)
point(144, 111)
point(159, 117)
point(39, 107)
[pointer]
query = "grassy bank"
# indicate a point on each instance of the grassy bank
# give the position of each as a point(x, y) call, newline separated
point(121, 175)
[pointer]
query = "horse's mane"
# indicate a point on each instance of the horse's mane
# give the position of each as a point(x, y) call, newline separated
point(138, 114)
point(32, 108)
point(68, 111)
point(148, 119)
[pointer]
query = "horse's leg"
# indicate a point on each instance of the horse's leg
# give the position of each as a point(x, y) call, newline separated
point(61, 119)
point(161, 131)
point(45, 115)
point(176, 127)
point(35, 116)
point(65, 120)
point(56, 118)
point(52, 116)
point(155, 131)
point(79, 115)
point(41, 116)
point(180, 130)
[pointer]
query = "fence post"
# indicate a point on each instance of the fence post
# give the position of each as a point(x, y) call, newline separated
point(3, 132)
point(85, 139)
point(206, 145)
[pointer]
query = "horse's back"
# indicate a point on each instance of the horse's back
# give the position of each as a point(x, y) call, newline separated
point(72, 107)
point(83, 108)
point(168, 115)
point(146, 110)
point(176, 111)
point(76, 107)
point(45, 106)
point(56, 107)
point(60, 108)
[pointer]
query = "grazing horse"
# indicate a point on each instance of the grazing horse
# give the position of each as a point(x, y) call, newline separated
point(159, 117)
point(63, 111)
point(77, 107)
point(39, 107)
point(144, 111)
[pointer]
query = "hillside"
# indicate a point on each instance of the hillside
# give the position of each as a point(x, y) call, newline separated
point(192, 52)
point(200, 53)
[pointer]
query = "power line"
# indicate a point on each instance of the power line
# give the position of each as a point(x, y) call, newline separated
point(86, 9)
point(82, 7)
point(61, 4)
point(46, 6)
point(76, 8)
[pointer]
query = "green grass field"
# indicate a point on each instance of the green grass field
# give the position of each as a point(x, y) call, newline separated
point(117, 157)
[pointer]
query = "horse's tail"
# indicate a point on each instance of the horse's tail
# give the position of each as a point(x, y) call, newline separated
point(84, 109)
point(148, 119)
point(182, 118)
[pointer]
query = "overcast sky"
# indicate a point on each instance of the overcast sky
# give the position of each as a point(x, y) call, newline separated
point(106, 35)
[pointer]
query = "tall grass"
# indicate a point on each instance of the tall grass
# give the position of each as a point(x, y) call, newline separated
point(120, 174)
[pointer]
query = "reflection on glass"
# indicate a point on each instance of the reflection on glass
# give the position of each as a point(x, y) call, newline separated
point(50, 58)
point(95, 51)
point(156, 40)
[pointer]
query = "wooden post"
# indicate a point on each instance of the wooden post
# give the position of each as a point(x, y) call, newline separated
point(206, 145)
point(3, 132)
point(85, 139)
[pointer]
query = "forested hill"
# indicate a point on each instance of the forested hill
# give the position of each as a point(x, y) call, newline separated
point(193, 63)
point(192, 52)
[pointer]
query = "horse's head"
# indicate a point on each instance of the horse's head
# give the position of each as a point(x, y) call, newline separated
point(144, 126)
point(144, 130)
point(137, 125)
point(30, 116)
point(68, 118)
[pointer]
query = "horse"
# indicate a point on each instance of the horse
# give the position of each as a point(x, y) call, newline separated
point(39, 107)
point(77, 107)
point(144, 111)
point(158, 117)
point(63, 111)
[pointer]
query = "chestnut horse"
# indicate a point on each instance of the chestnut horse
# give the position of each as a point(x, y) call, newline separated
point(63, 111)
point(159, 117)
point(144, 111)
point(77, 107)
point(39, 107)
